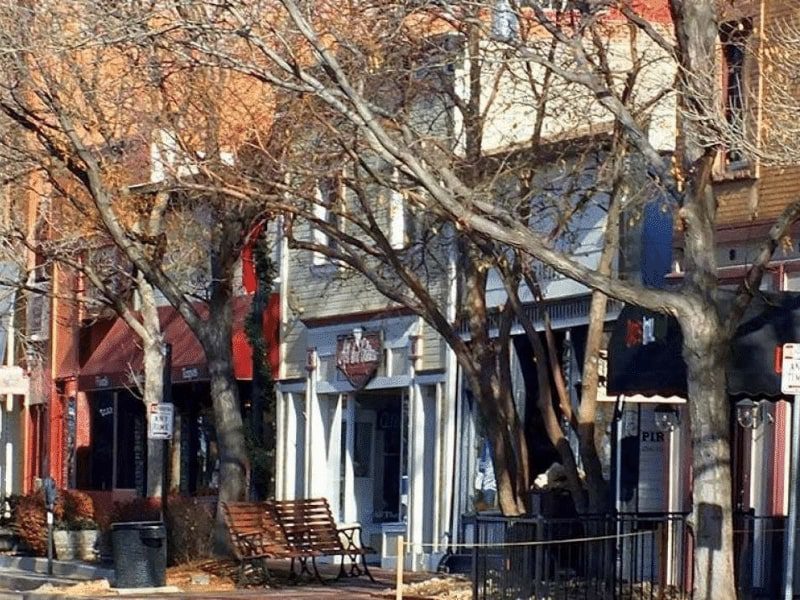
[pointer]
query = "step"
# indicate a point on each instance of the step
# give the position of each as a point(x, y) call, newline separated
point(24, 581)
point(8, 540)
point(71, 569)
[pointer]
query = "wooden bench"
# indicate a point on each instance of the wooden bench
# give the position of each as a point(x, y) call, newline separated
point(255, 536)
point(309, 527)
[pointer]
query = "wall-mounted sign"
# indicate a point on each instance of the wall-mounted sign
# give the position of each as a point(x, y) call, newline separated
point(358, 356)
point(190, 373)
point(102, 381)
point(14, 381)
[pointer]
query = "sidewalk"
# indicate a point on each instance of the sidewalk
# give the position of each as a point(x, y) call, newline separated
point(360, 588)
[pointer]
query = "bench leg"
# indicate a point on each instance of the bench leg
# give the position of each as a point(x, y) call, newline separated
point(366, 568)
point(243, 578)
point(355, 569)
point(316, 570)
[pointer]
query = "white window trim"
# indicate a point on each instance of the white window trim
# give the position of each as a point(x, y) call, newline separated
point(397, 214)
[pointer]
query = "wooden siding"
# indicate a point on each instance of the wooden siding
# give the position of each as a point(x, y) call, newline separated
point(331, 292)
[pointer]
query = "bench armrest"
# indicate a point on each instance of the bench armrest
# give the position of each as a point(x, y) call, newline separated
point(352, 534)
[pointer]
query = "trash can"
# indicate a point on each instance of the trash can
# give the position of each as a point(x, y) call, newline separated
point(140, 554)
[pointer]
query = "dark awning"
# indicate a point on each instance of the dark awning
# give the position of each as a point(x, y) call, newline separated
point(645, 349)
point(644, 355)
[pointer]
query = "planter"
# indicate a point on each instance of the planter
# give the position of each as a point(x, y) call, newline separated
point(76, 545)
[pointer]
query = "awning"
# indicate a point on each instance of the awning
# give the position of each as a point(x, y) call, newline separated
point(644, 355)
point(117, 358)
point(645, 351)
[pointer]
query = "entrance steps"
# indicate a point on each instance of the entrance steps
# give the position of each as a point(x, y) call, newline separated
point(8, 540)
point(26, 573)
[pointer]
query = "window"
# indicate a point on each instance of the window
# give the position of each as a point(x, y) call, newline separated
point(733, 37)
point(328, 208)
point(791, 281)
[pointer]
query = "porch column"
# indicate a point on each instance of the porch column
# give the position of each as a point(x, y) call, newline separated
point(334, 455)
point(316, 483)
point(350, 508)
point(416, 472)
point(280, 444)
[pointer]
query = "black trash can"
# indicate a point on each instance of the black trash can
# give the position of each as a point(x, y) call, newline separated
point(140, 554)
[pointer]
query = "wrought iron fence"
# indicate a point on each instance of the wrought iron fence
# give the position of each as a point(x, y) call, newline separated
point(759, 544)
point(641, 556)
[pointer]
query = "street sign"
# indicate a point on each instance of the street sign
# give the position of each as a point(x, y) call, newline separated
point(790, 369)
point(160, 420)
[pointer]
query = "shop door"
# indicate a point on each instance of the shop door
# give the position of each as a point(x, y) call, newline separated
point(364, 464)
point(378, 457)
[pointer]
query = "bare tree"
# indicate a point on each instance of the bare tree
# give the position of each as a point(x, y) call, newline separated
point(129, 136)
point(312, 50)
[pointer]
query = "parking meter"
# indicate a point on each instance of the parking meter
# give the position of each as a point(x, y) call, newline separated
point(50, 493)
point(50, 497)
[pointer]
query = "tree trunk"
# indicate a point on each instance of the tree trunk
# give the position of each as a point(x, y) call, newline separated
point(153, 392)
point(234, 465)
point(233, 461)
point(705, 352)
point(510, 496)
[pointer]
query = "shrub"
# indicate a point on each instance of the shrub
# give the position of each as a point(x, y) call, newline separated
point(30, 520)
point(135, 509)
point(190, 525)
point(78, 506)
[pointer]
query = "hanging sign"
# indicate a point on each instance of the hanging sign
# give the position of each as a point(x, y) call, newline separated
point(160, 421)
point(358, 356)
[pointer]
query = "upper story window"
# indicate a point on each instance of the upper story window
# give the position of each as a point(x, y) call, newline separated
point(734, 38)
point(328, 208)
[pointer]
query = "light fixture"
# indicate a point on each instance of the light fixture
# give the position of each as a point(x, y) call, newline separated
point(749, 414)
point(666, 417)
point(414, 347)
point(311, 359)
point(31, 359)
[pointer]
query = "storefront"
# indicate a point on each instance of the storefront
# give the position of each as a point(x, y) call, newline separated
point(99, 418)
point(645, 359)
point(366, 430)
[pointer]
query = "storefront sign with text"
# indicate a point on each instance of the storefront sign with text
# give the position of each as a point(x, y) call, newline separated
point(358, 356)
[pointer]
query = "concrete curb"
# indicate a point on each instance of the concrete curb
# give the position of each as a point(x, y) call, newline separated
point(71, 569)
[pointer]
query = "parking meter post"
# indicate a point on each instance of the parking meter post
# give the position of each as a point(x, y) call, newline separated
point(50, 497)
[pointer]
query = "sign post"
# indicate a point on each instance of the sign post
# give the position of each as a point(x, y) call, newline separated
point(50, 499)
point(790, 385)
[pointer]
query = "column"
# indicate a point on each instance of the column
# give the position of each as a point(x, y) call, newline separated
point(416, 475)
point(350, 508)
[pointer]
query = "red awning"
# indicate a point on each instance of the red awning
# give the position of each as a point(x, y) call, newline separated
point(117, 358)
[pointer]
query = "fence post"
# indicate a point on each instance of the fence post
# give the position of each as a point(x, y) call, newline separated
point(401, 559)
point(663, 549)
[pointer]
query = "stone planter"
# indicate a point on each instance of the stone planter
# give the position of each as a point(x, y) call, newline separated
point(76, 545)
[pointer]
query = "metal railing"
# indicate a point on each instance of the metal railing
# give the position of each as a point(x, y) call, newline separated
point(759, 544)
point(642, 556)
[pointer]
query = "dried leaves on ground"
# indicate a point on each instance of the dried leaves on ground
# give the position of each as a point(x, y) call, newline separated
point(438, 588)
